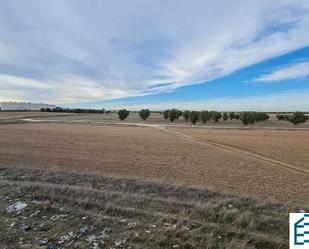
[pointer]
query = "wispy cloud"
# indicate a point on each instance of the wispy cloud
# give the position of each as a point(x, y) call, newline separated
point(291, 72)
point(270, 102)
point(73, 51)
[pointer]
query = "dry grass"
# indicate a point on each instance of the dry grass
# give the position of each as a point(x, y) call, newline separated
point(187, 217)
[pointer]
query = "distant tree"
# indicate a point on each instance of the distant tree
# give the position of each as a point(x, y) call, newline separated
point(261, 116)
point(247, 118)
point(186, 115)
point(204, 116)
point(225, 116)
point(165, 114)
point(194, 117)
point(232, 115)
point(174, 114)
point(253, 117)
point(298, 118)
point(123, 114)
point(42, 109)
point(216, 116)
point(282, 117)
point(144, 114)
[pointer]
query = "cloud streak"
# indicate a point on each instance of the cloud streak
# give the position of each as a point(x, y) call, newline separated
point(75, 51)
point(291, 72)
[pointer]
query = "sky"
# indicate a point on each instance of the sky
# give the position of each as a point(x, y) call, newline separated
point(203, 54)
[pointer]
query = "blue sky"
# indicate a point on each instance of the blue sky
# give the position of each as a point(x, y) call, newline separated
point(156, 54)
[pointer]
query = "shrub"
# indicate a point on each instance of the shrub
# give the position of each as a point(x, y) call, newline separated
point(174, 114)
point(144, 114)
point(204, 116)
point(225, 116)
point(298, 118)
point(186, 115)
point(123, 114)
point(48, 110)
point(194, 117)
point(42, 109)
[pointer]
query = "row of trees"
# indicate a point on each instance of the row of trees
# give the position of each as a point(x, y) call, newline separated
point(296, 118)
point(194, 116)
point(206, 116)
point(75, 110)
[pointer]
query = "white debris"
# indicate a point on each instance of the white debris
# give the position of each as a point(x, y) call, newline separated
point(132, 224)
point(18, 206)
point(91, 238)
point(95, 246)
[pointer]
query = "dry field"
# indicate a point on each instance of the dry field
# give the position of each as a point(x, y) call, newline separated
point(149, 185)
point(152, 154)
point(20, 115)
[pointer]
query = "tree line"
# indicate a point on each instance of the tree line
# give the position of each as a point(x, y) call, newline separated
point(247, 118)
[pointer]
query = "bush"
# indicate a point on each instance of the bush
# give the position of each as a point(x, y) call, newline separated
point(194, 117)
point(174, 114)
point(298, 118)
point(144, 114)
point(225, 116)
point(42, 109)
point(186, 115)
point(123, 114)
point(204, 116)
point(48, 110)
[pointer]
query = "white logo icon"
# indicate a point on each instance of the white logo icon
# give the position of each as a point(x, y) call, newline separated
point(299, 230)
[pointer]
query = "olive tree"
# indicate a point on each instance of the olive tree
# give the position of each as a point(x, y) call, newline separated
point(165, 114)
point(298, 118)
point(232, 115)
point(174, 114)
point(144, 114)
point(215, 116)
point(186, 115)
point(204, 116)
point(123, 114)
point(194, 117)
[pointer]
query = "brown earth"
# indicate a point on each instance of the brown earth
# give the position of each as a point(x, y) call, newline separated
point(19, 115)
point(151, 154)
point(291, 146)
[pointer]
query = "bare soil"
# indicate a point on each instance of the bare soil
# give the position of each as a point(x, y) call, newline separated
point(288, 146)
point(150, 154)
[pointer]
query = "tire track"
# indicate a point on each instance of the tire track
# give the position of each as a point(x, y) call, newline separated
point(237, 150)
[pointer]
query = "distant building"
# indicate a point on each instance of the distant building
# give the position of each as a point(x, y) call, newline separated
point(23, 106)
